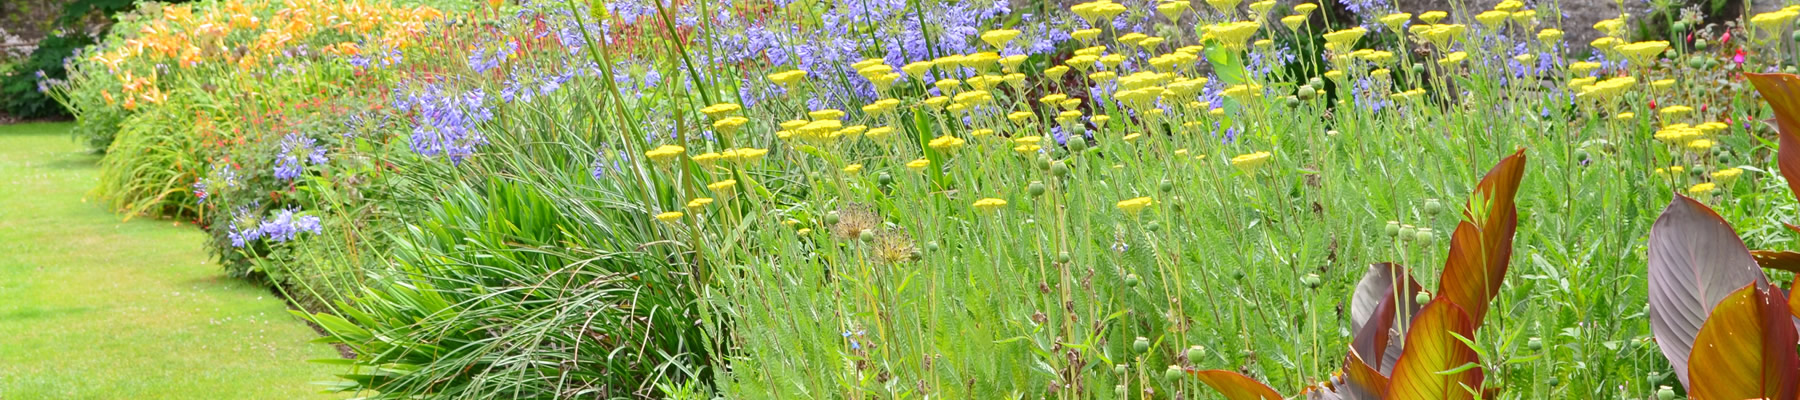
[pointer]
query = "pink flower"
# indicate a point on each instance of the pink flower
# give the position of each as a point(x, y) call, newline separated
point(1738, 58)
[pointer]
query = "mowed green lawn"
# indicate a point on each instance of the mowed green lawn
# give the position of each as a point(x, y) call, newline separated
point(95, 308)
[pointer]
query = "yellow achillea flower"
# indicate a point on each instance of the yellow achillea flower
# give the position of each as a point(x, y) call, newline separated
point(1020, 117)
point(1027, 149)
point(1305, 8)
point(1241, 92)
point(1662, 83)
point(794, 124)
point(787, 78)
point(1605, 43)
point(918, 164)
point(1608, 88)
point(1432, 17)
point(829, 113)
point(999, 37)
point(729, 125)
point(1509, 5)
point(1700, 144)
point(706, 158)
point(1442, 35)
point(852, 168)
point(1493, 18)
point(1773, 20)
point(1262, 7)
point(947, 143)
point(881, 107)
point(1727, 175)
point(1643, 52)
point(1702, 188)
point(1393, 21)
point(1665, 172)
point(1342, 40)
point(1085, 35)
point(1250, 162)
point(665, 153)
point(917, 69)
point(1173, 9)
point(1135, 205)
point(1625, 116)
point(880, 132)
point(1549, 36)
point(720, 110)
point(669, 216)
point(990, 204)
point(700, 202)
point(1611, 27)
point(1334, 74)
point(1233, 35)
point(723, 187)
point(1675, 111)
point(1453, 58)
point(1224, 5)
point(1293, 21)
point(743, 155)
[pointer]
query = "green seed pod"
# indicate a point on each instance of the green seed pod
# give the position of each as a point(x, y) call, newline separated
point(1035, 188)
point(1292, 101)
point(1131, 280)
point(885, 179)
point(1553, 382)
point(1422, 298)
point(1316, 82)
point(1077, 144)
point(1063, 257)
point(1043, 162)
point(1166, 186)
point(1393, 228)
point(931, 246)
point(1679, 26)
point(1121, 391)
point(1424, 236)
point(1059, 169)
point(1796, 36)
point(1141, 345)
point(1195, 353)
point(1699, 44)
point(1307, 92)
point(1665, 393)
point(866, 236)
point(1152, 226)
point(1534, 344)
point(831, 218)
point(1582, 155)
point(1418, 69)
point(1120, 369)
point(1696, 62)
point(1310, 280)
point(1433, 207)
point(1408, 232)
point(1238, 275)
point(1173, 374)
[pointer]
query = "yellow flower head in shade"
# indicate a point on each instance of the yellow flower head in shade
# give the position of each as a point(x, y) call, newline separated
point(918, 164)
point(720, 110)
point(947, 143)
point(917, 69)
point(1606, 43)
point(1393, 21)
point(1773, 20)
point(1173, 9)
point(999, 37)
point(1250, 162)
point(1335, 74)
point(1549, 36)
point(1453, 58)
point(852, 168)
point(1056, 72)
point(670, 217)
point(1625, 116)
point(700, 202)
point(1233, 35)
point(787, 78)
point(1020, 117)
point(1131, 39)
point(1224, 5)
point(794, 123)
point(1262, 7)
point(729, 125)
point(825, 114)
point(1379, 73)
point(1443, 35)
point(1085, 35)
point(706, 158)
point(1727, 175)
point(1608, 88)
point(879, 132)
point(1343, 40)
point(1509, 5)
point(1493, 18)
point(1305, 8)
point(1242, 91)
point(1675, 111)
point(1012, 62)
point(1611, 27)
point(743, 155)
point(1134, 206)
point(1710, 127)
point(1702, 188)
point(1293, 21)
point(1432, 17)
point(665, 153)
point(1700, 144)
point(990, 204)
point(1662, 83)
point(723, 187)
point(881, 107)
point(1643, 52)
point(1583, 67)
point(1525, 18)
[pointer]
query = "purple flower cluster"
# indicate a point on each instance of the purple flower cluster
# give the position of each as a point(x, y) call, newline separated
point(283, 226)
point(445, 120)
point(296, 152)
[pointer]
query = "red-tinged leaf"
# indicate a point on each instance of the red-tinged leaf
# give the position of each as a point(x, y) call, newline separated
point(1360, 382)
point(1782, 91)
point(1235, 386)
point(1376, 320)
point(1481, 246)
point(1746, 350)
point(1696, 259)
point(1782, 260)
point(1431, 349)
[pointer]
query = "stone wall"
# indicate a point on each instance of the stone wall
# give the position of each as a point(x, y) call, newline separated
point(24, 22)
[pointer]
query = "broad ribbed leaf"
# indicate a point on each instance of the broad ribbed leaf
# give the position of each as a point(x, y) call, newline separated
point(1746, 350)
point(1360, 382)
point(1782, 91)
point(1782, 260)
point(1433, 349)
point(1481, 246)
point(1696, 259)
point(1235, 386)
point(1374, 300)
